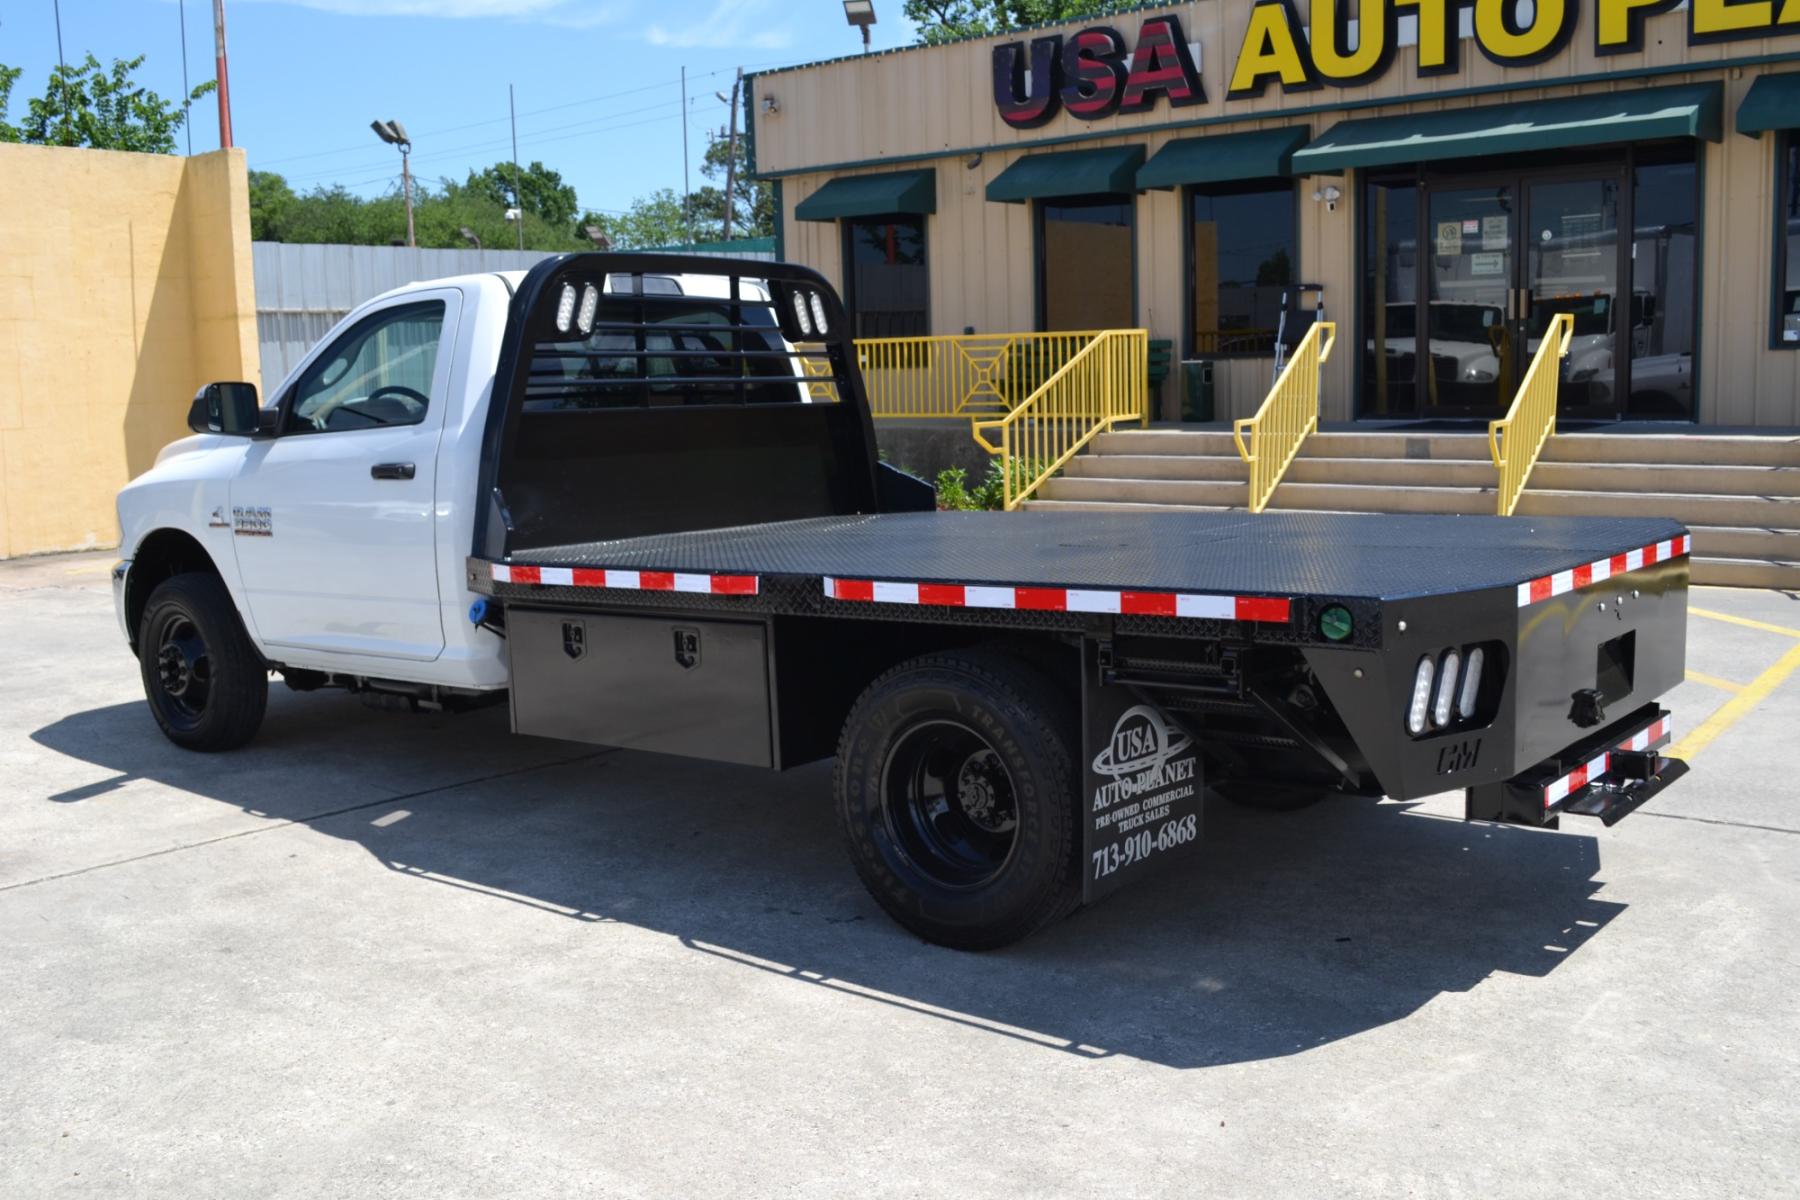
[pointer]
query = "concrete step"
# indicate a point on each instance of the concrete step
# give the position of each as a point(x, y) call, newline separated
point(1159, 466)
point(1724, 541)
point(1656, 479)
point(1381, 471)
point(1755, 512)
point(1322, 497)
point(1696, 448)
point(1746, 572)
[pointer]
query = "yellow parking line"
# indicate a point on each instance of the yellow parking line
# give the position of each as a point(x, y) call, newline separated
point(1713, 681)
point(1734, 709)
point(1747, 622)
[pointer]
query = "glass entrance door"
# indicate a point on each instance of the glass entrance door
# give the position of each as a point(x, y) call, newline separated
point(1463, 277)
point(1469, 365)
point(1573, 267)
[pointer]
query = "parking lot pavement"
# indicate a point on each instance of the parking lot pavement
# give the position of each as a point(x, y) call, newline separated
point(383, 954)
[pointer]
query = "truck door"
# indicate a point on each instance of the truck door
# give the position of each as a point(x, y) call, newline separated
point(335, 516)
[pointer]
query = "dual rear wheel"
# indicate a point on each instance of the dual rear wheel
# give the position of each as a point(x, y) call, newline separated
point(957, 788)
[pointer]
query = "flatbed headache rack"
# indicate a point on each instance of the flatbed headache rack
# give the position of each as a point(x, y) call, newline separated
point(651, 523)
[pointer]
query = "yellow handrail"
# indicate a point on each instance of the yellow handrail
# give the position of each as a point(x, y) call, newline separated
point(1288, 414)
point(1531, 420)
point(955, 377)
point(1107, 382)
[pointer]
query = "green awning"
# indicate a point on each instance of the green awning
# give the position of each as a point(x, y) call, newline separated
point(1691, 110)
point(1773, 102)
point(871, 196)
point(1068, 173)
point(1223, 158)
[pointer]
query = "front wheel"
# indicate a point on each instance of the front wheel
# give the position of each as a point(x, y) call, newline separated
point(206, 684)
point(957, 783)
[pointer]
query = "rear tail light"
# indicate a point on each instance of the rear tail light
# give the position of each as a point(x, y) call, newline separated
point(1421, 695)
point(1446, 689)
point(1471, 686)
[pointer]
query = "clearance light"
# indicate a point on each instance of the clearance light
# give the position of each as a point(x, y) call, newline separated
point(1335, 623)
point(1446, 692)
point(565, 309)
point(1471, 685)
point(801, 315)
point(818, 311)
point(1421, 696)
point(590, 304)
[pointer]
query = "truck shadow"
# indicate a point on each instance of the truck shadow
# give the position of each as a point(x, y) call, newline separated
point(1286, 931)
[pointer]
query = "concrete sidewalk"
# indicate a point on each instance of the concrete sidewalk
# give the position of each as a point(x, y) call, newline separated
point(378, 954)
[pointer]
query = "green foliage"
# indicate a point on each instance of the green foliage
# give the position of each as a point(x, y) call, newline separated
point(90, 105)
point(955, 495)
point(654, 220)
point(541, 191)
point(334, 214)
point(8, 133)
point(753, 209)
point(947, 20)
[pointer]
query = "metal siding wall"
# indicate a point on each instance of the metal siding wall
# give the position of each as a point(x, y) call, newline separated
point(303, 290)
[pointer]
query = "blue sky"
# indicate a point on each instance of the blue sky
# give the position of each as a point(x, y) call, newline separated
point(598, 81)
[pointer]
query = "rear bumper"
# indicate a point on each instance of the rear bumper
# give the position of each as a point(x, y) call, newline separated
point(1608, 776)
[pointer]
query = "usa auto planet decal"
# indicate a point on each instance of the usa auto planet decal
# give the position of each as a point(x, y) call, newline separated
point(1144, 795)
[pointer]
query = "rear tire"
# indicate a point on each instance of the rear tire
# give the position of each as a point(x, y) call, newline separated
point(206, 684)
point(957, 789)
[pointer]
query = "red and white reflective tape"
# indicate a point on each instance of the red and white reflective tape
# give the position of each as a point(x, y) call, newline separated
point(1053, 599)
point(1588, 772)
point(1579, 577)
point(1643, 739)
point(631, 581)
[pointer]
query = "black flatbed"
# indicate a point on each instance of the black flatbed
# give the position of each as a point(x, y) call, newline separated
point(1362, 556)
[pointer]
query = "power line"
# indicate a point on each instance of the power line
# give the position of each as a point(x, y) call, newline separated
point(267, 162)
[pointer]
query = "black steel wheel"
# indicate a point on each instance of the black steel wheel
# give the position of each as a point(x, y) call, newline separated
point(957, 791)
point(206, 684)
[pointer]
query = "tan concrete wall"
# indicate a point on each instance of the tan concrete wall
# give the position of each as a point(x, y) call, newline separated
point(934, 107)
point(125, 284)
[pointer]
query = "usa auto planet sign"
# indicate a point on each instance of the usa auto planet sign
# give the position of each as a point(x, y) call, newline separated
point(1143, 790)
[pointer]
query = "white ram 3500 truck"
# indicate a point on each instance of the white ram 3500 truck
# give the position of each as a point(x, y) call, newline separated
point(616, 490)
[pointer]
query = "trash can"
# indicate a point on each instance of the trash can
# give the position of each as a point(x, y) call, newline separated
point(1197, 400)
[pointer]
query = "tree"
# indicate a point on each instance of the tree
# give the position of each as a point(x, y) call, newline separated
point(89, 105)
point(8, 133)
point(271, 205)
point(753, 214)
point(541, 191)
point(947, 20)
point(654, 220)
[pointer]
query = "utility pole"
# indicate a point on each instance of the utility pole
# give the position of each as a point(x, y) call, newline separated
point(687, 205)
point(406, 184)
point(224, 82)
point(187, 103)
point(512, 110)
point(731, 155)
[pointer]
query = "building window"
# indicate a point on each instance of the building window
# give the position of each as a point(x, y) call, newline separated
point(1658, 328)
point(1787, 240)
point(1243, 250)
point(884, 276)
point(1085, 265)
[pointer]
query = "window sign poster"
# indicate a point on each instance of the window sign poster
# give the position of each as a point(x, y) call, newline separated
point(1493, 233)
point(1487, 264)
point(1449, 238)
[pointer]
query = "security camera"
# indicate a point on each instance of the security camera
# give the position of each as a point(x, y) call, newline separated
point(1330, 194)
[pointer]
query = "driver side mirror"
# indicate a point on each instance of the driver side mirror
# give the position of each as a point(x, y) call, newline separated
point(232, 409)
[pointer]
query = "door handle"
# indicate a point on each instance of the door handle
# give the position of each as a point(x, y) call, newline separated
point(392, 471)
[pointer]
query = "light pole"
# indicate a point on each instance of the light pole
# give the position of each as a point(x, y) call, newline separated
point(861, 13)
point(394, 134)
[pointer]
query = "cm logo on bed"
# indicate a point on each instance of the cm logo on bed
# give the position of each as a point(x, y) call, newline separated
point(1141, 756)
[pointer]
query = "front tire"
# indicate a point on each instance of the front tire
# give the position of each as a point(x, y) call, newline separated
point(957, 781)
point(206, 684)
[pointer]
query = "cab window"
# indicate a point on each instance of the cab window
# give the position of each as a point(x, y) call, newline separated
point(377, 374)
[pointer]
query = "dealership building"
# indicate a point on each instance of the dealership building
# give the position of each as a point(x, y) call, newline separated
point(1449, 175)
